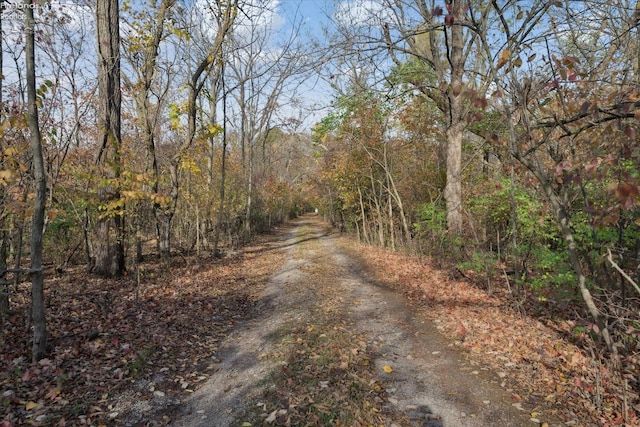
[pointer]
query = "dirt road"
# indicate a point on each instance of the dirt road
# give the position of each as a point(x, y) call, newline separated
point(426, 381)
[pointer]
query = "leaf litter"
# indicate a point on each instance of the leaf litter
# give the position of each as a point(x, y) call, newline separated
point(117, 361)
point(333, 348)
point(538, 365)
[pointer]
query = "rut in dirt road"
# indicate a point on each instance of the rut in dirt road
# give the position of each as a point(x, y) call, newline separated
point(431, 383)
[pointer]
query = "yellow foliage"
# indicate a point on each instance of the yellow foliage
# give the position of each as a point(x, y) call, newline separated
point(5, 176)
point(504, 58)
point(190, 166)
point(211, 131)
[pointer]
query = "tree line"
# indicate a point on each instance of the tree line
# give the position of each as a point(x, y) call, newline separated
point(501, 136)
point(133, 129)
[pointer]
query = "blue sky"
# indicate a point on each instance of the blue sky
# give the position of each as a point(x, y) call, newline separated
point(314, 12)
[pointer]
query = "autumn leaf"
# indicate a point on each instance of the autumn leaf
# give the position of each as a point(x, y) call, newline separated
point(5, 175)
point(630, 132)
point(625, 192)
point(388, 369)
point(480, 102)
point(30, 405)
point(53, 393)
point(449, 20)
point(517, 62)
point(504, 58)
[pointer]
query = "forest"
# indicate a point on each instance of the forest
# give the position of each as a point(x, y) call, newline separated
point(496, 139)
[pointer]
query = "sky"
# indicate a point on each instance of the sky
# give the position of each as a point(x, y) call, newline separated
point(312, 14)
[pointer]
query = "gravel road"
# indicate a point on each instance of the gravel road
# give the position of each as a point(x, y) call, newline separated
point(432, 383)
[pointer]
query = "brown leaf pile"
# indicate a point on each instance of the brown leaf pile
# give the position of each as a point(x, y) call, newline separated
point(538, 363)
point(104, 343)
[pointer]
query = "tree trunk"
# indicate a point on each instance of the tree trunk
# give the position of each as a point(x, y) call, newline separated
point(139, 249)
point(455, 126)
point(453, 188)
point(248, 213)
point(365, 235)
point(19, 237)
point(567, 234)
point(39, 349)
point(109, 254)
point(378, 210)
point(4, 235)
point(223, 167)
point(4, 283)
point(88, 250)
point(393, 190)
point(392, 228)
point(164, 231)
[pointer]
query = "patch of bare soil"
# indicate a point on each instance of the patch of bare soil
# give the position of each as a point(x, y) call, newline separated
point(329, 345)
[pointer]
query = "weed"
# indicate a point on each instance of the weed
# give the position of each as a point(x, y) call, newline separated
point(136, 366)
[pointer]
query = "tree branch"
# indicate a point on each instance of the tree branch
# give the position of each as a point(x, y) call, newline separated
point(621, 271)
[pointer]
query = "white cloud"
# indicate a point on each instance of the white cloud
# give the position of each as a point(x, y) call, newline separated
point(75, 16)
point(254, 15)
point(359, 13)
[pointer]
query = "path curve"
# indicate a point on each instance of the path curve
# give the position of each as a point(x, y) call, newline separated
point(432, 382)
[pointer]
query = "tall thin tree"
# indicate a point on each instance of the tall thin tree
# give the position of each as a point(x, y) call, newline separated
point(39, 349)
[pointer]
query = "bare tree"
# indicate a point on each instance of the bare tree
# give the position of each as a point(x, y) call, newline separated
point(225, 13)
point(265, 79)
point(148, 94)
